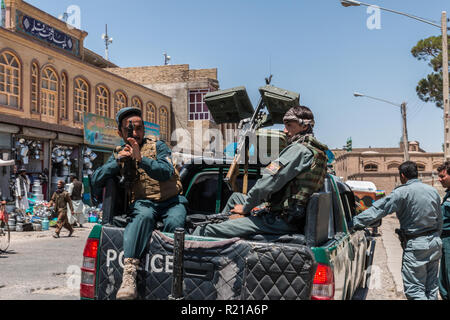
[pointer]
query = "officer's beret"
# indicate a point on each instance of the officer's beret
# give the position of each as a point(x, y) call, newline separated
point(125, 112)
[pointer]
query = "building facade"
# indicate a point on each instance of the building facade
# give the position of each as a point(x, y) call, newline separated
point(187, 88)
point(380, 165)
point(48, 82)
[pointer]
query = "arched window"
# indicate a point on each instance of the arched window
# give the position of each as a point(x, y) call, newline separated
point(10, 72)
point(63, 109)
point(164, 123)
point(34, 87)
point(102, 101)
point(136, 103)
point(81, 99)
point(49, 92)
point(371, 167)
point(420, 167)
point(150, 113)
point(120, 102)
point(393, 166)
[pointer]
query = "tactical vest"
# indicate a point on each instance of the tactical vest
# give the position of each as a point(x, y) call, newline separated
point(151, 189)
point(298, 191)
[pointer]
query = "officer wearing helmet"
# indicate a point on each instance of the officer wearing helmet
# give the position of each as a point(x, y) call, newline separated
point(156, 193)
point(284, 189)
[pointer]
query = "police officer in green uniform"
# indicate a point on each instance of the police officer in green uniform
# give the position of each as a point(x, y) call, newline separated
point(156, 193)
point(418, 210)
point(284, 189)
point(444, 271)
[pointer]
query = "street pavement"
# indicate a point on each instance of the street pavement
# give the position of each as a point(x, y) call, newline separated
point(39, 267)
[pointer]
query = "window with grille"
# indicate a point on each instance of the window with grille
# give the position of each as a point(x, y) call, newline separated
point(102, 101)
point(49, 92)
point(136, 103)
point(63, 109)
point(34, 88)
point(120, 102)
point(164, 123)
point(370, 167)
point(197, 107)
point(81, 99)
point(150, 113)
point(9, 79)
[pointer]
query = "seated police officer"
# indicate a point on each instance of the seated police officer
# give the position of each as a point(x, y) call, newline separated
point(155, 192)
point(285, 187)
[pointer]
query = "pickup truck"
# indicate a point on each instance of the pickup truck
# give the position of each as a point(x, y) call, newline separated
point(327, 260)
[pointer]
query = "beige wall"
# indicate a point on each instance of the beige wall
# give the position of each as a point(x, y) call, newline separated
point(351, 166)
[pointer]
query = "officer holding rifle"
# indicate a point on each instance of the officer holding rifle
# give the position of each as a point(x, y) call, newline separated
point(284, 189)
point(153, 191)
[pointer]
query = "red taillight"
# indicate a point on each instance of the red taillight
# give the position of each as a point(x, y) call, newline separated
point(323, 284)
point(88, 270)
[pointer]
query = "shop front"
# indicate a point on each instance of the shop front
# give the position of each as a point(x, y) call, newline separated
point(100, 139)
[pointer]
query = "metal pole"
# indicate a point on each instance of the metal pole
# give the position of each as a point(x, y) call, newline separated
point(405, 133)
point(445, 85)
point(178, 265)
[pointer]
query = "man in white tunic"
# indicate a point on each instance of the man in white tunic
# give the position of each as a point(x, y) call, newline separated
point(22, 190)
point(76, 190)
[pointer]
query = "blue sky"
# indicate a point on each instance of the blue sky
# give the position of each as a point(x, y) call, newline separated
point(318, 48)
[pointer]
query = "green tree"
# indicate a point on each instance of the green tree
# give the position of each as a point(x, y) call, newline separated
point(429, 89)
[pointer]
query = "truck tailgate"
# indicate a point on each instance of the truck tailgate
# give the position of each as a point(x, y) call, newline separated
point(223, 269)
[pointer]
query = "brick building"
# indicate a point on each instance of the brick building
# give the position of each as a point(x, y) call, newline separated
point(187, 88)
point(380, 165)
point(48, 81)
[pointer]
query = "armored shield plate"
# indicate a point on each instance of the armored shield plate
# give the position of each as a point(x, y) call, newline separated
point(229, 106)
point(278, 101)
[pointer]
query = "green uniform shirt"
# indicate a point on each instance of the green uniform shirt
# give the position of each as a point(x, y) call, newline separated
point(416, 204)
point(293, 160)
point(160, 169)
point(446, 211)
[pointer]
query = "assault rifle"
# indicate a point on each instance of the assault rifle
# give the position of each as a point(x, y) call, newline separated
point(129, 173)
point(222, 217)
point(234, 106)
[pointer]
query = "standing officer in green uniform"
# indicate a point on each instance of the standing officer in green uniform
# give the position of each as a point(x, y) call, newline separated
point(418, 210)
point(155, 193)
point(285, 187)
point(444, 272)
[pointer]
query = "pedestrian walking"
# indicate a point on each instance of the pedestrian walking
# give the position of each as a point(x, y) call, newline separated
point(22, 188)
point(76, 190)
point(61, 199)
point(444, 271)
point(418, 210)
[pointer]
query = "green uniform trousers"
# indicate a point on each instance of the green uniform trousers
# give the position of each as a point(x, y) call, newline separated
point(245, 227)
point(144, 216)
point(420, 268)
point(444, 272)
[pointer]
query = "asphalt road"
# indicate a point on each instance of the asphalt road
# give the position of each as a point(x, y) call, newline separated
point(39, 267)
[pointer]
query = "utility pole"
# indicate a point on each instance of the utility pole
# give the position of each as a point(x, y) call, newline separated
point(405, 133)
point(445, 86)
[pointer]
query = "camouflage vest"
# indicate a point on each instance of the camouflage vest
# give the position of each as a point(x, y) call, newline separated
point(151, 189)
point(298, 190)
